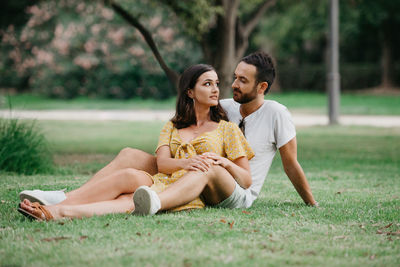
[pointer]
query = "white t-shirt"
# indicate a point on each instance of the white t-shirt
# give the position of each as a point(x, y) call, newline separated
point(266, 130)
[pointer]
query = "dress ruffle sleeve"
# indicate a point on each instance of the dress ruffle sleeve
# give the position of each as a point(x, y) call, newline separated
point(165, 135)
point(235, 144)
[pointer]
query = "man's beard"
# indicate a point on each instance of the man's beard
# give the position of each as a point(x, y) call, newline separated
point(246, 98)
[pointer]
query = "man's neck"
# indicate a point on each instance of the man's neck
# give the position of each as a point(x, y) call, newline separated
point(250, 107)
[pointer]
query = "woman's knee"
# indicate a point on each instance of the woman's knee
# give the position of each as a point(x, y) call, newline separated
point(215, 171)
point(127, 152)
point(134, 177)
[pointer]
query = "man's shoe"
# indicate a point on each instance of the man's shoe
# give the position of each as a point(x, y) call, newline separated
point(146, 201)
point(43, 197)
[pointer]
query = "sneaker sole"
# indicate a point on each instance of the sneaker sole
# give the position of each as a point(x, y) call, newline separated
point(141, 199)
point(32, 198)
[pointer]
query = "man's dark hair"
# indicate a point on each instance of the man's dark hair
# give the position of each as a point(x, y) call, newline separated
point(264, 65)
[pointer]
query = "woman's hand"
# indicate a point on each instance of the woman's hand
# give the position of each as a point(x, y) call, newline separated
point(217, 159)
point(197, 163)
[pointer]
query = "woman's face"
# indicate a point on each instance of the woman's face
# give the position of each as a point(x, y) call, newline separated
point(206, 91)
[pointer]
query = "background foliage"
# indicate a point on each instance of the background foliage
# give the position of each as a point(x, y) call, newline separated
point(70, 48)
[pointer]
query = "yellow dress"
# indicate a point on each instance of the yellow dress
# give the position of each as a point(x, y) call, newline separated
point(227, 141)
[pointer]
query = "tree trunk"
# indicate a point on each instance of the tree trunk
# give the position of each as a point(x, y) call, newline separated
point(226, 50)
point(386, 60)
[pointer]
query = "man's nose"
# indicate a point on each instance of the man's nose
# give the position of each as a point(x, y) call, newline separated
point(234, 84)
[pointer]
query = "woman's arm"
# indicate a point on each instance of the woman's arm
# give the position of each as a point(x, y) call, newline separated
point(166, 164)
point(239, 168)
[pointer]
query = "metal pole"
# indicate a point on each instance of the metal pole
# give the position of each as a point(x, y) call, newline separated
point(333, 74)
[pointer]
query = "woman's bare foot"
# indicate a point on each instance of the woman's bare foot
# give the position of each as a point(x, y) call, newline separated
point(29, 207)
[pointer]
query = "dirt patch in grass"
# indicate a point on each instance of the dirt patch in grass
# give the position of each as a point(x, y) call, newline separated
point(69, 159)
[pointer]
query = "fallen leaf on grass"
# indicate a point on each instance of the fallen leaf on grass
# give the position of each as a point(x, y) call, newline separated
point(387, 226)
point(246, 212)
point(222, 220)
point(58, 238)
point(138, 234)
point(379, 232)
point(83, 237)
point(394, 233)
point(231, 224)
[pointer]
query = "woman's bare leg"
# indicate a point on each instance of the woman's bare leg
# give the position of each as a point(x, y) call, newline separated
point(110, 187)
point(215, 185)
point(127, 158)
point(122, 204)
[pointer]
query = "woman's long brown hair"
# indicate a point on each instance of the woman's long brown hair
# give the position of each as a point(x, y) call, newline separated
point(185, 115)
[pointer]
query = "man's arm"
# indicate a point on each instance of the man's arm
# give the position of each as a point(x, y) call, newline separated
point(295, 173)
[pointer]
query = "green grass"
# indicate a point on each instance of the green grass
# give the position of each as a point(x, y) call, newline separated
point(354, 173)
point(36, 102)
point(296, 102)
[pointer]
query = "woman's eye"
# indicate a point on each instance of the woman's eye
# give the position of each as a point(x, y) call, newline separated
point(207, 84)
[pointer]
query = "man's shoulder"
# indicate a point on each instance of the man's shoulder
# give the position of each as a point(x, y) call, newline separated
point(228, 102)
point(273, 105)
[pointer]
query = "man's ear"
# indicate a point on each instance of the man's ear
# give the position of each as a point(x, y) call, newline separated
point(262, 87)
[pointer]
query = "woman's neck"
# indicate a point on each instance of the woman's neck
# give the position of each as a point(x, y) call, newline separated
point(202, 114)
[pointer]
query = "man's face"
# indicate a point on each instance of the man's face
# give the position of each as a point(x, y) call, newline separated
point(244, 85)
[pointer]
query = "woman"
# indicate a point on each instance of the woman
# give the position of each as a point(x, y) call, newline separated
point(197, 127)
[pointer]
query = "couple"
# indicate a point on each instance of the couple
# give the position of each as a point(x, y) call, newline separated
point(202, 159)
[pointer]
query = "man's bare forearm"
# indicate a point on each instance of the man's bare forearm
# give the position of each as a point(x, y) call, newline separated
point(300, 183)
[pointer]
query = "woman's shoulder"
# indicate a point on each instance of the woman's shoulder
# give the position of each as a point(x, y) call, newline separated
point(228, 125)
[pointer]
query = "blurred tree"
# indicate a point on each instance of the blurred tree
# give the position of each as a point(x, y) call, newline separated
point(381, 21)
point(69, 48)
point(222, 27)
point(296, 32)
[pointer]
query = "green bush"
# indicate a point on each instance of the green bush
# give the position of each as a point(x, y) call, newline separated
point(23, 149)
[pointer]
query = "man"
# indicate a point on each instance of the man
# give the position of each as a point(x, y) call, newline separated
point(267, 126)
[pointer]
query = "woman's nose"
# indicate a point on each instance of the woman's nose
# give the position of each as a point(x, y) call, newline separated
point(215, 88)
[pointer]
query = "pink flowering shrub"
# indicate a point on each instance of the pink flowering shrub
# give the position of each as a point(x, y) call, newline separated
point(70, 48)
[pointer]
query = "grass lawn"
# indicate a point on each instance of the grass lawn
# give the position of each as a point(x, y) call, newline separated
point(296, 102)
point(354, 173)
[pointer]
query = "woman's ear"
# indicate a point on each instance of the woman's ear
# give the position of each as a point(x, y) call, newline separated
point(190, 93)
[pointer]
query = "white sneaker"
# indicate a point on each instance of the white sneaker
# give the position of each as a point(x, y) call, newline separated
point(43, 197)
point(146, 201)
